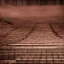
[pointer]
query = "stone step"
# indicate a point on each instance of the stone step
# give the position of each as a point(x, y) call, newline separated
point(36, 51)
point(32, 53)
point(33, 45)
point(58, 61)
point(7, 57)
point(30, 56)
point(7, 61)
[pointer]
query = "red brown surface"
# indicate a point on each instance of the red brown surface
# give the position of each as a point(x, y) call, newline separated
point(50, 13)
point(28, 30)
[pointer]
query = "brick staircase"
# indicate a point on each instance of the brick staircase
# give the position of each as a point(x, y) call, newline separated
point(41, 47)
point(32, 53)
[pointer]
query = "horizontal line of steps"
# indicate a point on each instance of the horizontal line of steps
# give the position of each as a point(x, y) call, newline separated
point(35, 61)
point(59, 44)
point(32, 53)
point(5, 53)
point(32, 46)
point(14, 55)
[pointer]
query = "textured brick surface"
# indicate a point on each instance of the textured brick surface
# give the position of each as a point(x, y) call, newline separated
point(42, 34)
point(24, 33)
point(31, 33)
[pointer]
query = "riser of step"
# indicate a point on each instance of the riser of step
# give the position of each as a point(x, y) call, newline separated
point(33, 62)
point(32, 49)
point(31, 54)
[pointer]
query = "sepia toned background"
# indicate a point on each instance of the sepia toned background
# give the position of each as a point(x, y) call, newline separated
point(31, 31)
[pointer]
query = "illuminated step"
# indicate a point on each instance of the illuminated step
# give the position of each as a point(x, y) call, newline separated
point(41, 60)
point(35, 46)
point(59, 44)
point(35, 61)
